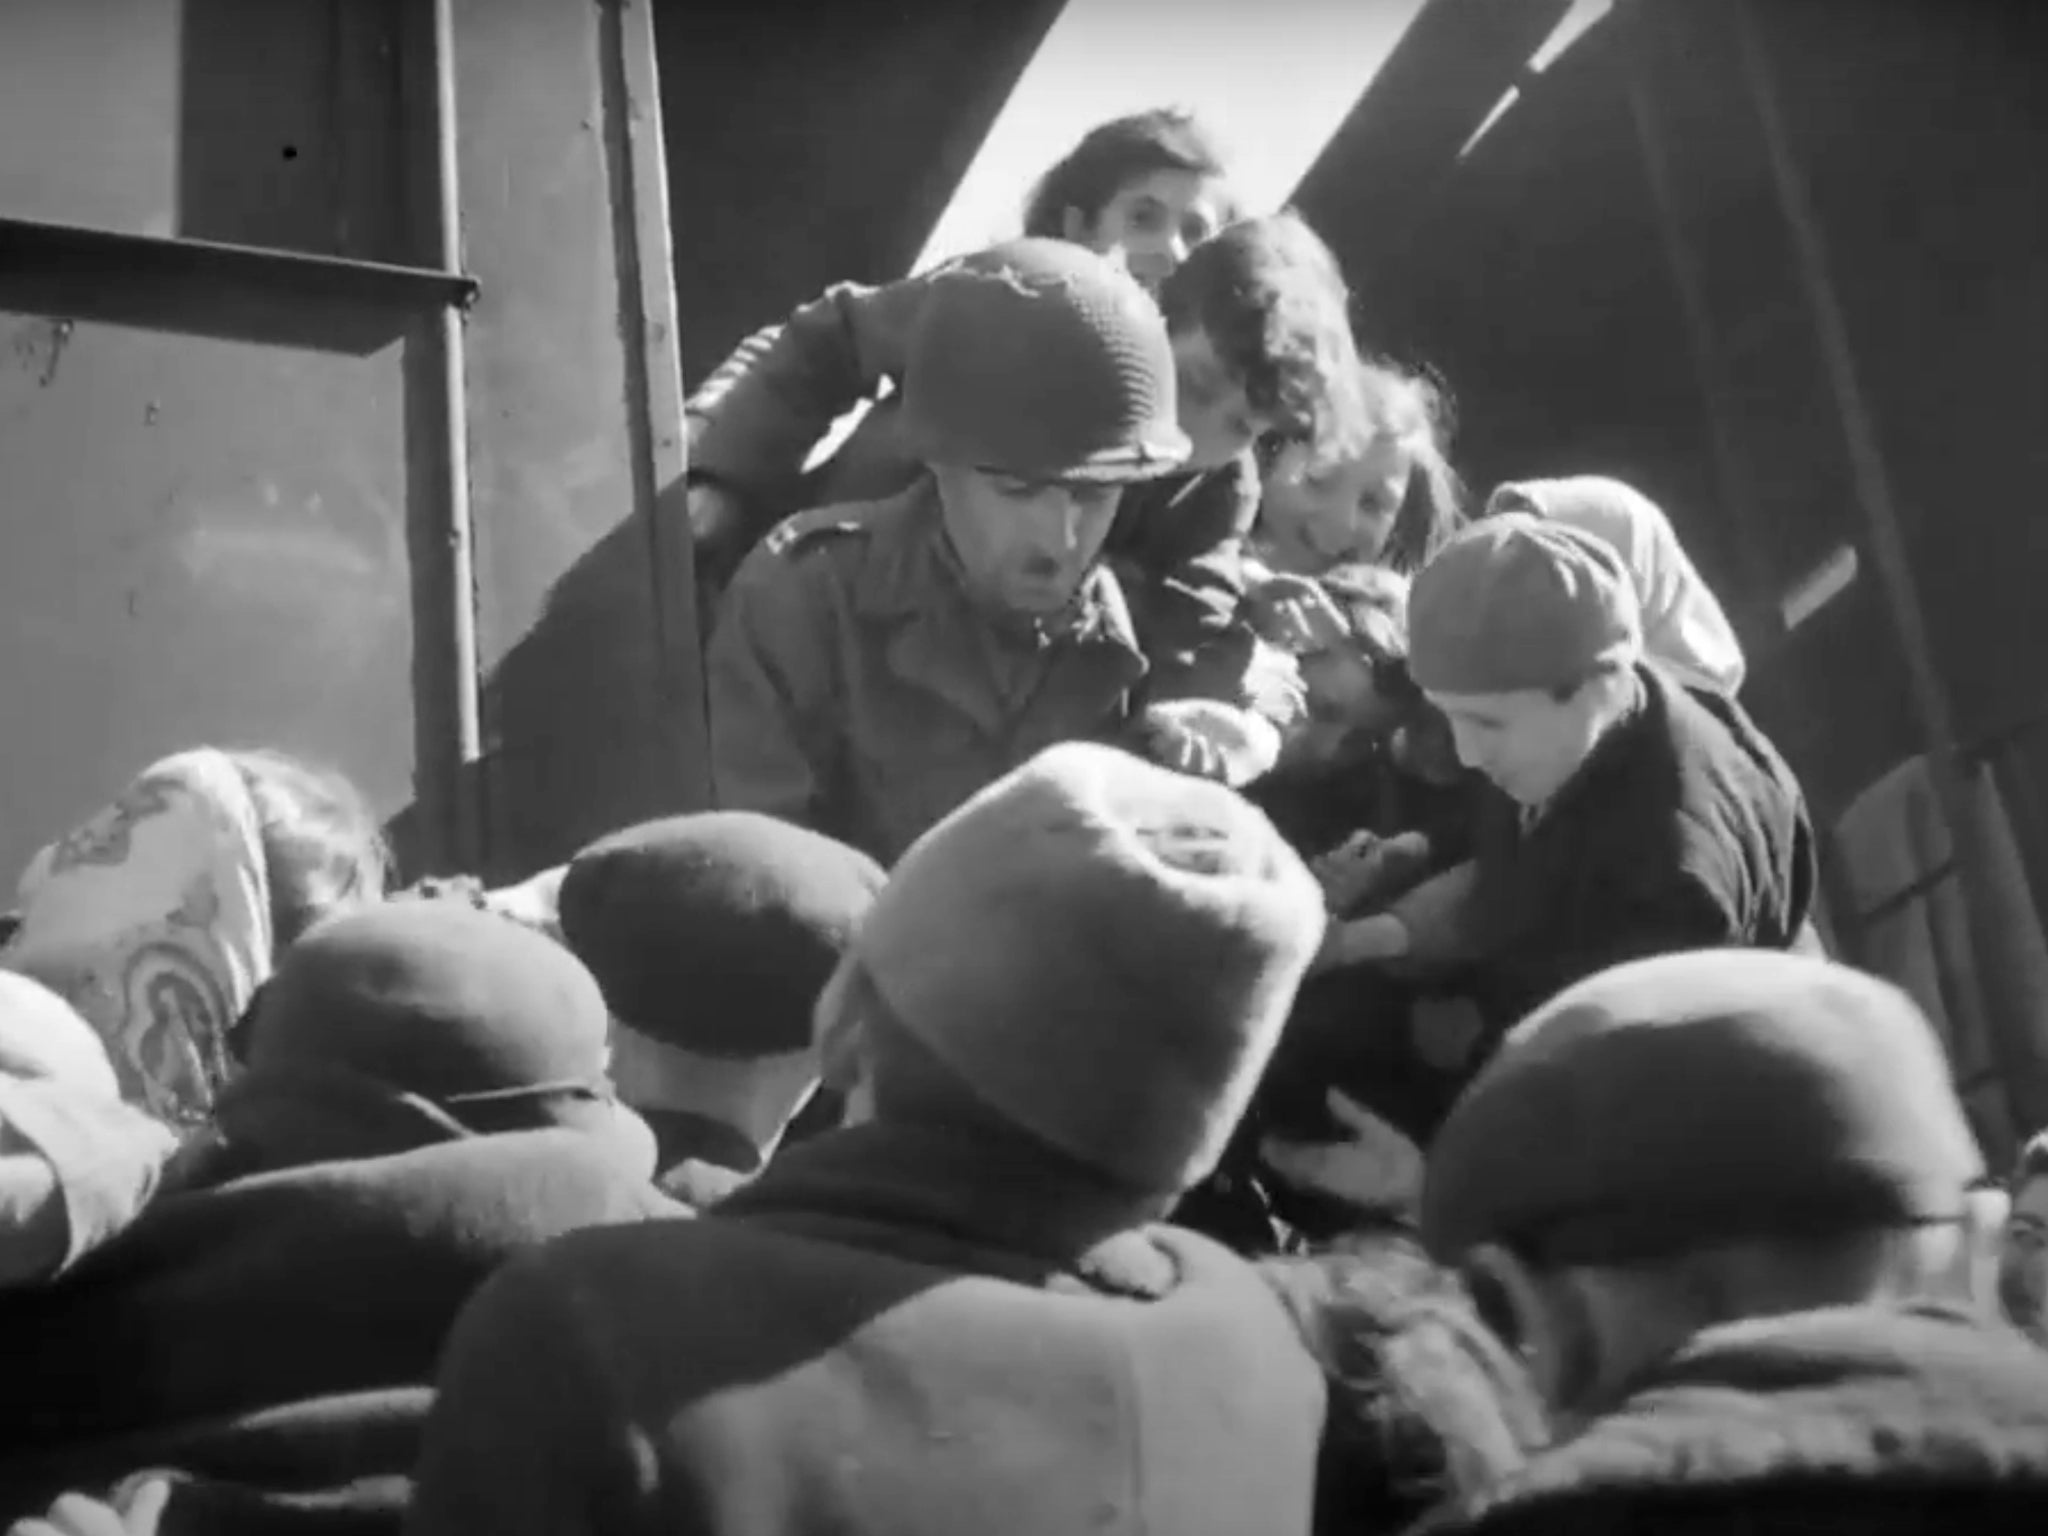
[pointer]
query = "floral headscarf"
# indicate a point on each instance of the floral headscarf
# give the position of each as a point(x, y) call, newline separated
point(152, 919)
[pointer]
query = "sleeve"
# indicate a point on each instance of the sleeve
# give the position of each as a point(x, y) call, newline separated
point(103, 1158)
point(525, 1434)
point(1680, 914)
point(766, 674)
point(757, 419)
point(1183, 560)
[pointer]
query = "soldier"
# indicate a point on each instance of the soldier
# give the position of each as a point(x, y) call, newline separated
point(878, 663)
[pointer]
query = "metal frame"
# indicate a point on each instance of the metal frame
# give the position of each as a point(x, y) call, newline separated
point(65, 271)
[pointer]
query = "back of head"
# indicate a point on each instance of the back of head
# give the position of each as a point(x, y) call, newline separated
point(1517, 603)
point(1273, 301)
point(1044, 361)
point(1701, 1100)
point(1114, 154)
point(43, 1037)
point(714, 933)
point(437, 999)
point(1104, 953)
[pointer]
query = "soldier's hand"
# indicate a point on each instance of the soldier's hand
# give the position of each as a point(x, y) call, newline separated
point(1296, 614)
point(1374, 1167)
point(1209, 740)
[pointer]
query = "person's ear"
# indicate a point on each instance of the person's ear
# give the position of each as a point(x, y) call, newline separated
point(1519, 1307)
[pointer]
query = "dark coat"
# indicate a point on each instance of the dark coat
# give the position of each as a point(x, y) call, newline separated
point(269, 1327)
point(904, 1333)
point(1860, 1420)
point(1684, 830)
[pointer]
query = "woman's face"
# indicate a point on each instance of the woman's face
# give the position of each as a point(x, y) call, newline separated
point(1153, 222)
point(2023, 1262)
point(1311, 519)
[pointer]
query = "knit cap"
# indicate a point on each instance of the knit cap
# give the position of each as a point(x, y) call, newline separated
point(1041, 359)
point(714, 933)
point(1517, 603)
point(1698, 1099)
point(1103, 952)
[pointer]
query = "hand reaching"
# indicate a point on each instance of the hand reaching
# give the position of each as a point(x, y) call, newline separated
point(1295, 614)
point(1374, 1168)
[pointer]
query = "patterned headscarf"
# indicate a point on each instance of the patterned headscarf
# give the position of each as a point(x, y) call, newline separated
point(152, 919)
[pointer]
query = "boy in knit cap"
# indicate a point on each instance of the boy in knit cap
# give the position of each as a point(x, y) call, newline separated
point(1729, 1207)
point(960, 1307)
point(712, 936)
point(1649, 817)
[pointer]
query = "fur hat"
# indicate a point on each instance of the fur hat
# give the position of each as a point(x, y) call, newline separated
point(1103, 952)
point(1701, 1098)
point(1518, 603)
point(714, 933)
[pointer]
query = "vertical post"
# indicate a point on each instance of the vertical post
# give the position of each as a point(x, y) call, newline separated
point(637, 158)
point(447, 708)
point(2000, 970)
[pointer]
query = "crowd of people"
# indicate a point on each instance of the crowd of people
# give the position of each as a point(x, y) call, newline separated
point(1228, 987)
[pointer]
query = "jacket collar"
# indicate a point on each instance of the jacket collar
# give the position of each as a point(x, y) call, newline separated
point(1001, 1198)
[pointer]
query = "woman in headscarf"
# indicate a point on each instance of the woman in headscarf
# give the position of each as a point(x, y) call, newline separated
point(160, 916)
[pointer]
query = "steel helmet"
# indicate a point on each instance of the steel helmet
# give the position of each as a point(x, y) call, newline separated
point(1039, 358)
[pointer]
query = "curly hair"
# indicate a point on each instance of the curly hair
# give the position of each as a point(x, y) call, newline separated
point(321, 841)
point(1426, 1403)
point(1113, 155)
point(1273, 301)
point(1416, 410)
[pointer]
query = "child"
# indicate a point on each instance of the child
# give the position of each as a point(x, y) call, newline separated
point(1392, 502)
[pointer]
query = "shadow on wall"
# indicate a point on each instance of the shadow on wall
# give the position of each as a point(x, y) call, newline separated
point(593, 715)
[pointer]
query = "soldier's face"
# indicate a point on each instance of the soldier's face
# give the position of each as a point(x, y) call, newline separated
point(1025, 545)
